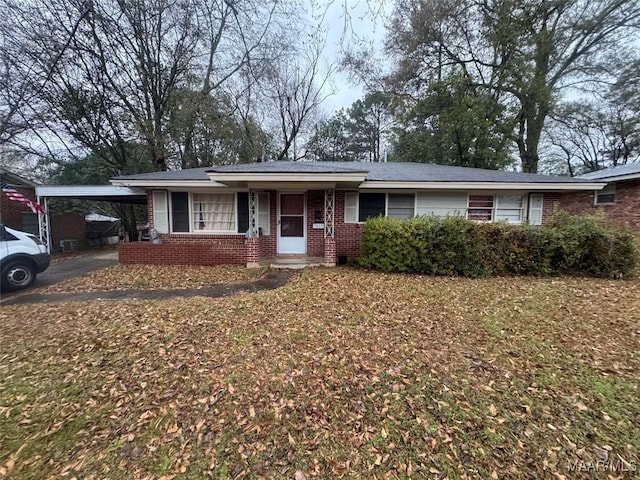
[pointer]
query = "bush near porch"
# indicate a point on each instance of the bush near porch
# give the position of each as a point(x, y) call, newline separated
point(566, 245)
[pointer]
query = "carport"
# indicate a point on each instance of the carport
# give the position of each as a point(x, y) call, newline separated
point(102, 193)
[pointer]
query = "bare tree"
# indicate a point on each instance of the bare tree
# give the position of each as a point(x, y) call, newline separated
point(296, 85)
point(524, 52)
point(589, 137)
point(122, 68)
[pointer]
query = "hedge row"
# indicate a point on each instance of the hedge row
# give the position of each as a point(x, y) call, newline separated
point(566, 245)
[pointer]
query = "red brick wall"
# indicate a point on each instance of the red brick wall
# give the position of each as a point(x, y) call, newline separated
point(625, 211)
point(68, 226)
point(549, 204)
point(315, 238)
point(270, 242)
point(193, 251)
point(11, 212)
point(347, 234)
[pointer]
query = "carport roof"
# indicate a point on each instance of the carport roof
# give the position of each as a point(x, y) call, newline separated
point(103, 193)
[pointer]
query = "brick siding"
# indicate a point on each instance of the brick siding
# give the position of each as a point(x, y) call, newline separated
point(68, 226)
point(315, 237)
point(11, 212)
point(625, 211)
point(193, 250)
point(347, 234)
point(549, 204)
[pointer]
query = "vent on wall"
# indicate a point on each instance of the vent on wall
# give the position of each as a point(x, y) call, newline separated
point(69, 246)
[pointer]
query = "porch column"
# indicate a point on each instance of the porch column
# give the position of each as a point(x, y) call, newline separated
point(329, 227)
point(254, 247)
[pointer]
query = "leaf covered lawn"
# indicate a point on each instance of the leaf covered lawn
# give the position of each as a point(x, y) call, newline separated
point(149, 277)
point(340, 374)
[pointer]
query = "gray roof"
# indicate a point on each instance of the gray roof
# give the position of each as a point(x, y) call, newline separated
point(387, 172)
point(619, 171)
point(187, 175)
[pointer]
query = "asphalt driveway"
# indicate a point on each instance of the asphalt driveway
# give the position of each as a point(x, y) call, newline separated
point(75, 267)
point(66, 269)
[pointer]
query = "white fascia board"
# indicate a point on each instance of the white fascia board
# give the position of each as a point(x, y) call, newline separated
point(481, 186)
point(86, 190)
point(160, 184)
point(311, 178)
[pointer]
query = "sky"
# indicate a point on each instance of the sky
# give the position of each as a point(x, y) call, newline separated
point(350, 24)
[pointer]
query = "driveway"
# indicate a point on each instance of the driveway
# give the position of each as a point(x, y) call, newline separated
point(75, 267)
point(68, 268)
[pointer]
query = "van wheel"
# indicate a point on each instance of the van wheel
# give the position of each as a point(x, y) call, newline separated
point(18, 275)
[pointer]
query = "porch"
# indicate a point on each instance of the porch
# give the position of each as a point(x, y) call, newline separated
point(293, 262)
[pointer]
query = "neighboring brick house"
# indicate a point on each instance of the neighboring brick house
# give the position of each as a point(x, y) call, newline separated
point(252, 214)
point(619, 200)
point(15, 214)
point(20, 217)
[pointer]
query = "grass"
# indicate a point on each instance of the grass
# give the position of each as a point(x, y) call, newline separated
point(343, 373)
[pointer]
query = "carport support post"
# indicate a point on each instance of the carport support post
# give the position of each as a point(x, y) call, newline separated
point(329, 227)
point(44, 226)
point(253, 238)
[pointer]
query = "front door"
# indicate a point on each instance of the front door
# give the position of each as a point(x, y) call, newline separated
point(291, 223)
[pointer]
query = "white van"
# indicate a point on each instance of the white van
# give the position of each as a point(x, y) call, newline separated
point(22, 257)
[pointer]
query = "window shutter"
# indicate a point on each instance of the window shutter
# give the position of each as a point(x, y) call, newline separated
point(160, 211)
point(351, 207)
point(264, 208)
point(536, 201)
point(243, 212)
point(180, 211)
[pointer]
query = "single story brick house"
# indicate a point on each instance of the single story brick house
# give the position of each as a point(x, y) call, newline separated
point(619, 199)
point(251, 214)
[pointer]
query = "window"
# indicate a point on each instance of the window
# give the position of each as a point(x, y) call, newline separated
point(441, 204)
point(606, 195)
point(30, 223)
point(371, 205)
point(480, 208)
point(180, 212)
point(509, 208)
point(358, 207)
point(213, 212)
point(400, 205)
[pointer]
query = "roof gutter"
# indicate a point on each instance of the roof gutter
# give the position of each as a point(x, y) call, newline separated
point(568, 186)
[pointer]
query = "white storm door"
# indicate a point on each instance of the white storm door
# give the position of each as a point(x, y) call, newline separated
point(291, 223)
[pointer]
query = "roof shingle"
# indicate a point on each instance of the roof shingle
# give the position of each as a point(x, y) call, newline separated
point(384, 172)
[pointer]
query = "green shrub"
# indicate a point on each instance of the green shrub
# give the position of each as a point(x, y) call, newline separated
point(566, 245)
